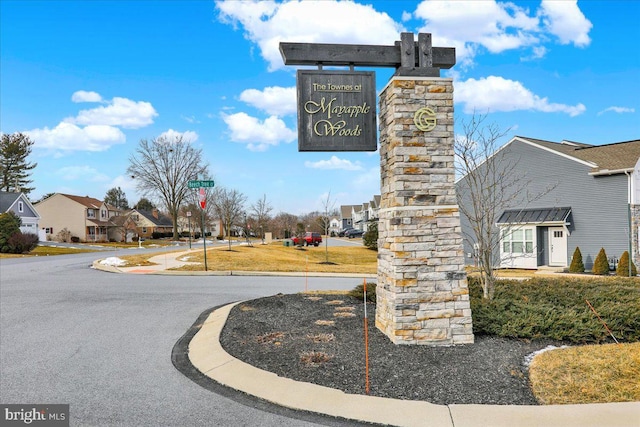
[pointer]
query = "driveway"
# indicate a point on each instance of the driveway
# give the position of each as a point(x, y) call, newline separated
point(102, 342)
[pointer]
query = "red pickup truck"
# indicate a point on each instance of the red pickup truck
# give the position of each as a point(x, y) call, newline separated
point(308, 239)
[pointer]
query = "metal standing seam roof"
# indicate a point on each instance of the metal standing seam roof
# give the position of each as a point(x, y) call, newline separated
point(535, 216)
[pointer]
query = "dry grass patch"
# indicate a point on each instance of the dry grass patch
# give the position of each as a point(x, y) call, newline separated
point(314, 358)
point(587, 374)
point(245, 307)
point(325, 322)
point(343, 314)
point(321, 338)
point(348, 308)
point(335, 302)
point(276, 257)
point(271, 338)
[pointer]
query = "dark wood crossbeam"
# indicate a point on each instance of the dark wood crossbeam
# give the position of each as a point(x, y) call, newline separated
point(407, 56)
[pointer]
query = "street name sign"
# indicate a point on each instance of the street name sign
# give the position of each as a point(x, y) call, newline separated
point(200, 184)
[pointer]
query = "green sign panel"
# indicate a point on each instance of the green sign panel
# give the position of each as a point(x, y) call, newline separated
point(200, 184)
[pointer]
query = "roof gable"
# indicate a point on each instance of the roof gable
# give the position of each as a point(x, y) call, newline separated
point(7, 200)
point(603, 159)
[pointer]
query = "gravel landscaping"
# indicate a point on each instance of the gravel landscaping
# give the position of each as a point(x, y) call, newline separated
point(320, 339)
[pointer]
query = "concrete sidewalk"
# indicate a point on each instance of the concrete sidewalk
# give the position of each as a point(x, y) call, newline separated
point(208, 356)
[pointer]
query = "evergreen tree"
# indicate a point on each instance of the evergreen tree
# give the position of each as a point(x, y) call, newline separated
point(577, 266)
point(116, 197)
point(9, 225)
point(370, 238)
point(601, 264)
point(623, 266)
point(144, 204)
point(14, 168)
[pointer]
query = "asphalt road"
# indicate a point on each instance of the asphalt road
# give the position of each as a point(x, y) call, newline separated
point(102, 342)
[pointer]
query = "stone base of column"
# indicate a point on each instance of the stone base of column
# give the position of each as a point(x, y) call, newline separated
point(422, 293)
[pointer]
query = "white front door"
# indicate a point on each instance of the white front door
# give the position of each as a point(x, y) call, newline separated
point(557, 246)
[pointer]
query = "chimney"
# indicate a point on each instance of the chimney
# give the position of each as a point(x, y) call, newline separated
point(154, 212)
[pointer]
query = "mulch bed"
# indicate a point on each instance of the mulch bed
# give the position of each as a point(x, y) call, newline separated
point(320, 339)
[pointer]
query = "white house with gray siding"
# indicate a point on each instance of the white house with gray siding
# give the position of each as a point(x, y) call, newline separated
point(22, 207)
point(576, 195)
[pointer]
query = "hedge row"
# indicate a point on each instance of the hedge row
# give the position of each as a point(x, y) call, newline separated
point(556, 308)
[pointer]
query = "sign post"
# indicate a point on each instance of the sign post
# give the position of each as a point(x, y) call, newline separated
point(202, 198)
point(189, 219)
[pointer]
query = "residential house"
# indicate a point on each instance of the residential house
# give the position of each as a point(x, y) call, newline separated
point(186, 224)
point(20, 205)
point(334, 225)
point(346, 218)
point(360, 215)
point(149, 222)
point(572, 195)
point(86, 218)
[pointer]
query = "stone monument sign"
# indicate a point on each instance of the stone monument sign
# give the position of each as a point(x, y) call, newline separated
point(422, 293)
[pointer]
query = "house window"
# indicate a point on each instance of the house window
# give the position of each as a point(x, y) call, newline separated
point(103, 213)
point(48, 230)
point(91, 213)
point(144, 229)
point(517, 241)
point(20, 207)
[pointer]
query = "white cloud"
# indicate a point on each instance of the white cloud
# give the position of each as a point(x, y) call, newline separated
point(565, 20)
point(120, 112)
point(500, 26)
point(334, 163)
point(84, 96)
point(465, 26)
point(172, 135)
point(493, 93)
point(619, 110)
point(69, 137)
point(267, 23)
point(190, 119)
point(258, 135)
point(81, 173)
point(279, 101)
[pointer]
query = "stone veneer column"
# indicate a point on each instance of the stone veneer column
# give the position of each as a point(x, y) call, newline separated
point(422, 290)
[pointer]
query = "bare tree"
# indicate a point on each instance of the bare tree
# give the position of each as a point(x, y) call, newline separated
point(286, 223)
point(162, 167)
point(261, 211)
point(229, 205)
point(490, 183)
point(325, 220)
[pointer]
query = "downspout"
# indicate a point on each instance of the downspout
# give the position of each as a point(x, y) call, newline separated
point(631, 257)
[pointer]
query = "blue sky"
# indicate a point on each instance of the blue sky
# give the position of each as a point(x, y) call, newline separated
point(88, 79)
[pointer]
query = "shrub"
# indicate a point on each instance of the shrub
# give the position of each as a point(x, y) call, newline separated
point(63, 236)
point(74, 239)
point(370, 238)
point(577, 266)
point(9, 225)
point(555, 308)
point(358, 292)
point(623, 266)
point(601, 264)
point(20, 243)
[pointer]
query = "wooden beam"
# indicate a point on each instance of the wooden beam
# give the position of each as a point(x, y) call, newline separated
point(358, 55)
